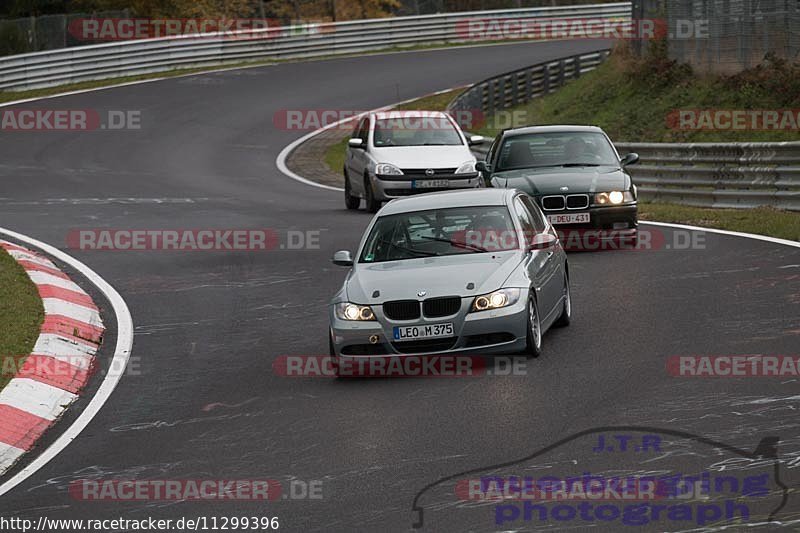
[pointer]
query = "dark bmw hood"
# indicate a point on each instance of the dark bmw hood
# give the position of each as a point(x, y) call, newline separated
point(437, 276)
point(539, 181)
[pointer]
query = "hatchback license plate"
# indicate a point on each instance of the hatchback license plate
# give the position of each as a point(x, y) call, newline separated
point(426, 331)
point(429, 184)
point(569, 218)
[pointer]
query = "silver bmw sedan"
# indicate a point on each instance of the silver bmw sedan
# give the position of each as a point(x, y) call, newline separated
point(475, 272)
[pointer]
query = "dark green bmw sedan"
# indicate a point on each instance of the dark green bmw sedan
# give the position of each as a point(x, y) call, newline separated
point(575, 175)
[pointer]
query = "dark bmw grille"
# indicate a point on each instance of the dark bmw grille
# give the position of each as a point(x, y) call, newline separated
point(436, 307)
point(577, 201)
point(552, 203)
point(420, 172)
point(432, 345)
point(401, 310)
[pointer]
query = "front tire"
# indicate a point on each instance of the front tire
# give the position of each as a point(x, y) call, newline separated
point(533, 346)
point(372, 204)
point(350, 201)
point(566, 313)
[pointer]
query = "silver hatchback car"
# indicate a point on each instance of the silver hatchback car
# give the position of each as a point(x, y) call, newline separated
point(477, 272)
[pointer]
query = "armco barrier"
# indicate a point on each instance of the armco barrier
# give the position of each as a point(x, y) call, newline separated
point(130, 58)
point(734, 175)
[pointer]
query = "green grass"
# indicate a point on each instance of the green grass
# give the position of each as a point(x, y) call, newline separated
point(631, 99)
point(21, 315)
point(761, 220)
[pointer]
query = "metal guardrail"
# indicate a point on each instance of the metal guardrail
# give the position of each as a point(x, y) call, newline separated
point(520, 86)
point(129, 58)
point(732, 175)
point(736, 175)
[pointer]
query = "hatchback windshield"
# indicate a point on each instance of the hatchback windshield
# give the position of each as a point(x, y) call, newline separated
point(452, 231)
point(415, 131)
point(556, 149)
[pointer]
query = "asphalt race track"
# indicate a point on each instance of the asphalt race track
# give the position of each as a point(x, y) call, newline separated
point(204, 402)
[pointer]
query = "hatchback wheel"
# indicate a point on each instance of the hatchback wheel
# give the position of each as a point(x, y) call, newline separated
point(352, 202)
point(534, 343)
point(372, 204)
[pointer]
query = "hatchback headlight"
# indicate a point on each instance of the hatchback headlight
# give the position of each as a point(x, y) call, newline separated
point(613, 197)
point(354, 312)
point(466, 168)
point(387, 169)
point(495, 300)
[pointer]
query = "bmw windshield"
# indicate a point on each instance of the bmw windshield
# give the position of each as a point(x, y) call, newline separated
point(557, 149)
point(439, 232)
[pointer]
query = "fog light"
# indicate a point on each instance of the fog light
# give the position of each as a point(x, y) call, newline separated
point(374, 339)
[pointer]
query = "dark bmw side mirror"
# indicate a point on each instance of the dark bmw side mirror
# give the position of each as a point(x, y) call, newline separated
point(543, 241)
point(629, 159)
point(343, 258)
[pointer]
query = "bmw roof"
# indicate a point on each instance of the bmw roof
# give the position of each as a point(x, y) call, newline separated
point(551, 129)
point(445, 199)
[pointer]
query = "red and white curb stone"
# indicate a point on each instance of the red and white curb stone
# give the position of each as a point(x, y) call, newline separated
point(62, 361)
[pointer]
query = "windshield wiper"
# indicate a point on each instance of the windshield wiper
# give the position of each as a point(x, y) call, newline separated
point(409, 250)
point(456, 244)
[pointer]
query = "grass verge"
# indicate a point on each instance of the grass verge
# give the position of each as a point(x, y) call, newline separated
point(635, 99)
point(761, 220)
point(21, 315)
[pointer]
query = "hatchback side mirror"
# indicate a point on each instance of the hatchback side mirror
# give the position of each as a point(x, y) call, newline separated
point(475, 139)
point(543, 241)
point(629, 159)
point(356, 143)
point(343, 257)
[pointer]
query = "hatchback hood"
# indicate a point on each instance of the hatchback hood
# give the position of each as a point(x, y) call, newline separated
point(437, 276)
point(424, 156)
point(539, 181)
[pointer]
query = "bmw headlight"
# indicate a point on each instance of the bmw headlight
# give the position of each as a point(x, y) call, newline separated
point(352, 312)
point(613, 197)
point(387, 169)
point(495, 300)
point(466, 168)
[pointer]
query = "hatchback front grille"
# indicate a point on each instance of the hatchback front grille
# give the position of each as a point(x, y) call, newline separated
point(552, 203)
point(438, 307)
point(423, 172)
point(402, 310)
point(577, 201)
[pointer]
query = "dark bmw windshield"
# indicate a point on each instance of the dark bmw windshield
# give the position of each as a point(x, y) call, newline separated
point(556, 149)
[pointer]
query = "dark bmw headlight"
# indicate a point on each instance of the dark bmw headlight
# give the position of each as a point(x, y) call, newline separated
point(348, 311)
point(613, 197)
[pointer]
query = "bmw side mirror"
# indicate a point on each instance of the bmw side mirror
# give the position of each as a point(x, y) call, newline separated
point(475, 139)
point(356, 143)
point(543, 241)
point(343, 257)
point(630, 159)
point(483, 167)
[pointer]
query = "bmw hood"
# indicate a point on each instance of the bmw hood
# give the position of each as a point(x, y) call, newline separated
point(539, 181)
point(424, 156)
point(436, 276)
